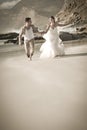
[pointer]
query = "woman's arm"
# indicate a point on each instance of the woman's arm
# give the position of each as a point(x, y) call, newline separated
point(35, 30)
point(48, 26)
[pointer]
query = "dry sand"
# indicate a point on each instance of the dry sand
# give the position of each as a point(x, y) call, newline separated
point(43, 94)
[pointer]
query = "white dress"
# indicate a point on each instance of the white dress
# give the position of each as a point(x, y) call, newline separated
point(53, 45)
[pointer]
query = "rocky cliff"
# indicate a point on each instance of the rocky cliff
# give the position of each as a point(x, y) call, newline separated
point(73, 10)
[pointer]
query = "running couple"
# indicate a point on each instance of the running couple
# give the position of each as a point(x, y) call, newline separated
point(53, 45)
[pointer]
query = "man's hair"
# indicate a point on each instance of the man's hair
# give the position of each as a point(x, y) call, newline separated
point(27, 19)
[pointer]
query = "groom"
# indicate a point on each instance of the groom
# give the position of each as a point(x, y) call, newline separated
point(28, 31)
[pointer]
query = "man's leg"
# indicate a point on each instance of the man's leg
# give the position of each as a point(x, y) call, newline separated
point(31, 47)
point(27, 48)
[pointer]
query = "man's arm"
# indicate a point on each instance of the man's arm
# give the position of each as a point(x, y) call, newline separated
point(20, 36)
point(35, 29)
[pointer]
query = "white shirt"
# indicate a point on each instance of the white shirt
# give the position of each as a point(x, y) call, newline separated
point(28, 34)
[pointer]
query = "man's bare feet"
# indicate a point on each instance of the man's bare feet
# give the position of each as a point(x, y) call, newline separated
point(32, 54)
point(30, 57)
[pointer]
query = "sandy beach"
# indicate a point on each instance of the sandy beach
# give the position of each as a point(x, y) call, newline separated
point(43, 94)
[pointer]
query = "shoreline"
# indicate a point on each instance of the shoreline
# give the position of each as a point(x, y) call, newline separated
point(71, 47)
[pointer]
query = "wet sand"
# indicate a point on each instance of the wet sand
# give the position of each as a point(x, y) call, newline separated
point(43, 94)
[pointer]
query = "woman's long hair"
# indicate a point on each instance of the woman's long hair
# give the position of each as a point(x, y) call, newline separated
point(52, 17)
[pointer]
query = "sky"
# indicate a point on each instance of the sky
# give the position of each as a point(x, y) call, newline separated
point(8, 4)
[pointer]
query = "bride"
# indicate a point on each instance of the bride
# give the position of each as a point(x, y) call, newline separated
point(53, 45)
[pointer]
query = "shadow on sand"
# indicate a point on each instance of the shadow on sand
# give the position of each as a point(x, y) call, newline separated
point(72, 55)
